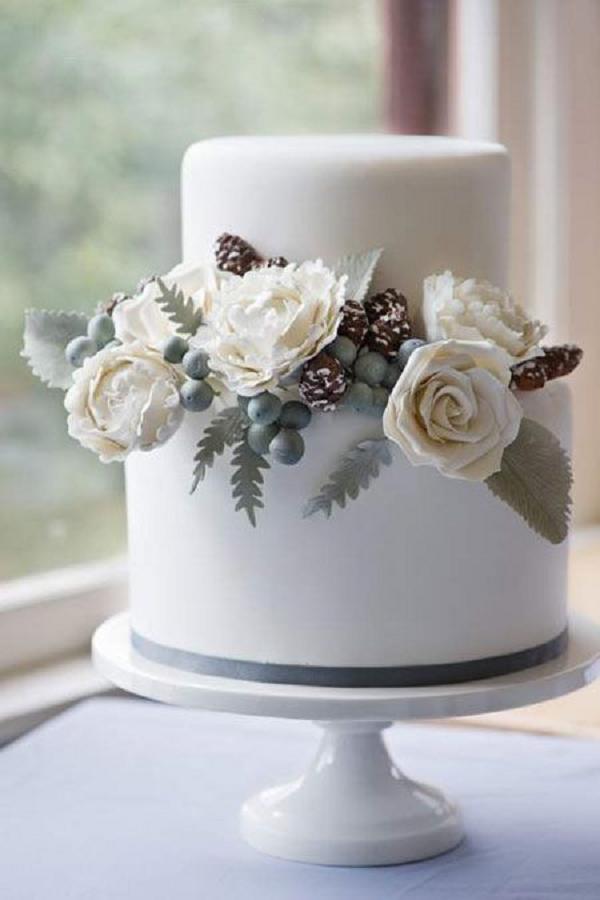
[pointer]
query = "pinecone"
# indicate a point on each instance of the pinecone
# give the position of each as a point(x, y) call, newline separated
point(354, 323)
point(234, 254)
point(109, 305)
point(323, 383)
point(278, 261)
point(143, 282)
point(387, 333)
point(555, 362)
point(385, 302)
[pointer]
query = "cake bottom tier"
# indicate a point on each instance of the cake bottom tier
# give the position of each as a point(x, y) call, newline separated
point(420, 580)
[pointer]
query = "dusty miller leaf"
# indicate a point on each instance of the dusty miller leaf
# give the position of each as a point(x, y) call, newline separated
point(179, 308)
point(535, 480)
point(47, 333)
point(359, 268)
point(225, 430)
point(247, 479)
point(356, 471)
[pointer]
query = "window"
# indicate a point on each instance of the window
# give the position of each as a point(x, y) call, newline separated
point(99, 102)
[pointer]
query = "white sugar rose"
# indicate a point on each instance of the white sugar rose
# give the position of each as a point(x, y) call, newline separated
point(122, 399)
point(268, 322)
point(140, 318)
point(471, 310)
point(452, 408)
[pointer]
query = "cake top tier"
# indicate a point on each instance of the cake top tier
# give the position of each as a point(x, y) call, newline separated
point(328, 268)
point(360, 148)
point(432, 203)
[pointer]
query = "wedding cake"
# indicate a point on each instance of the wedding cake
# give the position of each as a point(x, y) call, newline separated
point(375, 431)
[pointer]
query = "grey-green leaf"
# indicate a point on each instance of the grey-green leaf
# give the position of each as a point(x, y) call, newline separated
point(360, 268)
point(179, 308)
point(247, 479)
point(47, 333)
point(225, 430)
point(535, 480)
point(356, 471)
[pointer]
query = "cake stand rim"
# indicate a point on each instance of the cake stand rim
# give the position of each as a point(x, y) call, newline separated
point(115, 658)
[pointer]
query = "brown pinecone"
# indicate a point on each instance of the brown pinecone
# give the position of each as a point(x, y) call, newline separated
point(387, 333)
point(234, 254)
point(143, 282)
point(553, 363)
point(354, 323)
point(109, 305)
point(276, 261)
point(384, 303)
point(323, 383)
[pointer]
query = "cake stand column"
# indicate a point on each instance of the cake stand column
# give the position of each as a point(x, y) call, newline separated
point(352, 807)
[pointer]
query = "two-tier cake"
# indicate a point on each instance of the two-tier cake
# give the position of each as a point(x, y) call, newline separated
point(374, 429)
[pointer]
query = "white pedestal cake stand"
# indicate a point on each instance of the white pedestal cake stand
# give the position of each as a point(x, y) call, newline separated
point(353, 806)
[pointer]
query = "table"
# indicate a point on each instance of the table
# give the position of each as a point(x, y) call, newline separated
point(120, 798)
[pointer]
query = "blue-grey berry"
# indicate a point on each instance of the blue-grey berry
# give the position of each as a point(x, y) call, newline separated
point(380, 397)
point(295, 415)
point(287, 447)
point(260, 436)
point(407, 349)
point(175, 348)
point(370, 368)
point(196, 396)
point(264, 409)
point(195, 364)
point(391, 376)
point(359, 396)
point(344, 350)
point(79, 349)
point(101, 329)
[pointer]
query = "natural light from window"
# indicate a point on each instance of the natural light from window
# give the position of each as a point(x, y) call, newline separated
point(99, 102)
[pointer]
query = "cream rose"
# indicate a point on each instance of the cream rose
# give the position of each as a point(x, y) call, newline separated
point(140, 318)
point(122, 399)
point(268, 322)
point(471, 310)
point(452, 408)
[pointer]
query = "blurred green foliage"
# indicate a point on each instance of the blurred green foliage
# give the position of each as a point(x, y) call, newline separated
point(98, 102)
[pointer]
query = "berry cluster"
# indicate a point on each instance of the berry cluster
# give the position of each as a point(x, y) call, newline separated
point(274, 426)
point(196, 393)
point(365, 360)
point(100, 333)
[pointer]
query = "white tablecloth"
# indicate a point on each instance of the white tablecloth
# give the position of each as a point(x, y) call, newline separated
point(126, 799)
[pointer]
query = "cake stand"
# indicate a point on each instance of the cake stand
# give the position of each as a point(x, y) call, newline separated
point(353, 806)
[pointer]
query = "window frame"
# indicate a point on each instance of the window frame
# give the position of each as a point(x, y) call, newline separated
point(46, 624)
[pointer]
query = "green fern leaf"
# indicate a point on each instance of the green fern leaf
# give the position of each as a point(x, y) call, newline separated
point(355, 473)
point(226, 429)
point(179, 308)
point(247, 479)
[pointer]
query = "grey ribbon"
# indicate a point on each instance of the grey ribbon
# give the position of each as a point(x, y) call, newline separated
point(351, 676)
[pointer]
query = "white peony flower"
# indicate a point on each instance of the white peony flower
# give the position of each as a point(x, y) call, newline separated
point(268, 322)
point(140, 318)
point(122, 399)
point(452, 408)
point(471, 310)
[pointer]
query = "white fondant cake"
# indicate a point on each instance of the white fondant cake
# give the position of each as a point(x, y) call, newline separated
point(420, 570)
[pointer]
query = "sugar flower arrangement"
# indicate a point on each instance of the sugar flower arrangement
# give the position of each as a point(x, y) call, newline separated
point(269, 344)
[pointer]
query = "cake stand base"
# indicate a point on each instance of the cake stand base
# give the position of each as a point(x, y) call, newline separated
point(353, 806)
